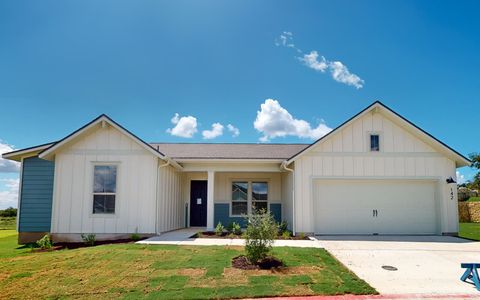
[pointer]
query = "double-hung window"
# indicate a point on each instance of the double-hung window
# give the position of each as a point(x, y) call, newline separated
point(249, 196)
point(104, 189)
point(260, 196)
point(239, 198)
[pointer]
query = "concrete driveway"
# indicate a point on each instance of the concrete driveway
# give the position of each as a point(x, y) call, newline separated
point(426, 264)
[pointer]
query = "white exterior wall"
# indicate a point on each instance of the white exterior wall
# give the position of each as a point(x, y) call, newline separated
point(346, 154)
point(171, 207)
point(135, 205)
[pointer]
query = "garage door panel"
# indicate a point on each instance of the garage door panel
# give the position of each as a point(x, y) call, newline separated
point(403, 206)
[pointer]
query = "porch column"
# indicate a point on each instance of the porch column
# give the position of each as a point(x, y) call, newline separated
point(210, 200)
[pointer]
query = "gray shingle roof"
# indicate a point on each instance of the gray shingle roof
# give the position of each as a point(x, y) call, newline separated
point(228, 151)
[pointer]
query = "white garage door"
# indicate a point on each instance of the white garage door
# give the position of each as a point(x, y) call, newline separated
point(375, 207)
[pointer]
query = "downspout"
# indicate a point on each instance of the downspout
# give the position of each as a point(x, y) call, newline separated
point(159, 166)
point(284, 166)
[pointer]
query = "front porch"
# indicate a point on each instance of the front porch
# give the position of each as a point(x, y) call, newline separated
point(229, 192)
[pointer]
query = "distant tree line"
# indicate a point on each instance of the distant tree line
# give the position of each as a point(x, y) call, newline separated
point(8, 212)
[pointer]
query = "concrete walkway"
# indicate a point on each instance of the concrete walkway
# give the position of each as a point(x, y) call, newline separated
point(182, 237)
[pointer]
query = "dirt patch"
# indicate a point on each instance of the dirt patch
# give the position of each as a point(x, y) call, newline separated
point(302, 270)
point(268, 263)
point(54, 248)
point(192, 272)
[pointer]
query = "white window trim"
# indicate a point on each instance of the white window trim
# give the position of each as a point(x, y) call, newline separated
point(92, 193)
point(249, 181)
point(380, 141)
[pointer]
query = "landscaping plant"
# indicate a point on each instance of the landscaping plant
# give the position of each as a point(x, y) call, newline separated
point(219, 229)
point(135, 237)
point(259, 236)
point(236, 229)
point(286, 234)
point(282, 227)
point(89, 239)
point(45, 242)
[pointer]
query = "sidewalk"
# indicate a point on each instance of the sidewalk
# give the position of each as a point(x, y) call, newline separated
point(182, 237)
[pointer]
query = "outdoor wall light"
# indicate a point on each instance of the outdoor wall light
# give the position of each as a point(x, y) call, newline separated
point(451, 180)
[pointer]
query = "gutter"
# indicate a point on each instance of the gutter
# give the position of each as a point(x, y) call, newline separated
point(284, 166)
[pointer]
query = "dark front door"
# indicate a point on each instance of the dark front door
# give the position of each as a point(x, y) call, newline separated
point(198, 203)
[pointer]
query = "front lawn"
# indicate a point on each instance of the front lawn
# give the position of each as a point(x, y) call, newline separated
point(470, 231)
point(166, 272)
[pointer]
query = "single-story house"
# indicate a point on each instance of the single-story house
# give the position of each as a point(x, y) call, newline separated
point(377, 173)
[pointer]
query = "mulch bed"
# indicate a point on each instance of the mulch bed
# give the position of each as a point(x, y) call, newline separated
point(268, 263)
point(226, 235)
point(76, 245)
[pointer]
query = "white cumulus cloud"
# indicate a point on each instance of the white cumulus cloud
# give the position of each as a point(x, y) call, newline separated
point(275, 121)
point(7, 166)
point(184, 126)
point(341, 74)
point(313, 60)
point(9, 197)
point(216, 131)
point(233, 130)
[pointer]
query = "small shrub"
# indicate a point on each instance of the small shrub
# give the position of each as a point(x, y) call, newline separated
point(260, 235)
point(45, 242)
point(282, 227)
point(135, 237)
point(219, 229)
point(301, 235)
point(236, 228)
point(286, 235)
point(200, 234)
point(89, 239)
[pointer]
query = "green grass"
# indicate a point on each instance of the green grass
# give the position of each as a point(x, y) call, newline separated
point(8, 223)
point(473, 199)
point(470, 231)
point(132, 271)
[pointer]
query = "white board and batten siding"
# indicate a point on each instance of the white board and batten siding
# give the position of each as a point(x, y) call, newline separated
point(171, 207)
point(345, 155)
point(135, 204)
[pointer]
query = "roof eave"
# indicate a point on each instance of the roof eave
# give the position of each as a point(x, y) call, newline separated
point(17, 155)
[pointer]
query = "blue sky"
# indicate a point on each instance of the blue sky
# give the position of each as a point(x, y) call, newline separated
point(141, 62)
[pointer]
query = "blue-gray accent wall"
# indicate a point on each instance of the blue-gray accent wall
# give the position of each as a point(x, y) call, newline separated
point(222, 214)
point(36, 195)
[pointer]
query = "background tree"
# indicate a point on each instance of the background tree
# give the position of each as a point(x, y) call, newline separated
point(475, 183)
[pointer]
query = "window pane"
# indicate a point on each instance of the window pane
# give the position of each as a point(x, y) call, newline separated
point(374, 142)
point(239, 191)
point(260, 205)
point(239, 208)
point(103, 204)
point(259, 191)
point(105, 179)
